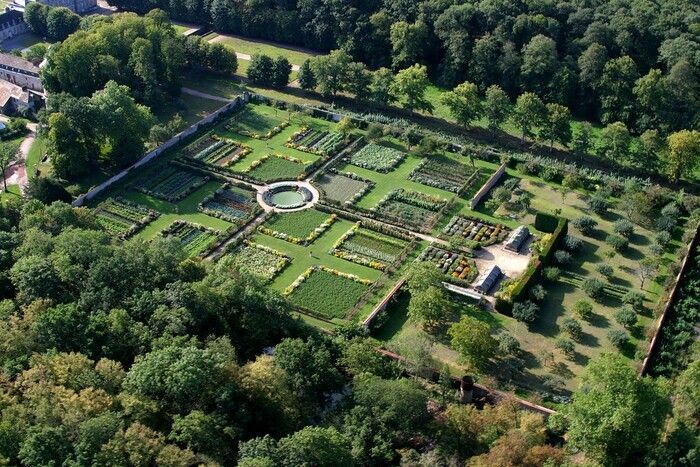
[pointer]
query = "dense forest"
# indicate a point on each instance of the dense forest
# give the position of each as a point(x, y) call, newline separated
point(633, 61)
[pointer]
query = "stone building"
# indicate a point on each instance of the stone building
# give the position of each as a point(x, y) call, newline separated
point(77, 6)
point(16, 100)
point(12, 24)
point(20, 72)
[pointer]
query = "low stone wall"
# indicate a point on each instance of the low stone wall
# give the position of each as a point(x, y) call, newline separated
point(174, 141)
point(654, 343)
point(483, 191)
point(382, 305)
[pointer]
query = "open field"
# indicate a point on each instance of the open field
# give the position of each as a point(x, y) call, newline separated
point(247, 46)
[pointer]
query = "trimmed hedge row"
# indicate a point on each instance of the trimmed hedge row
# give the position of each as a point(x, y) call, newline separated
point(504, 302)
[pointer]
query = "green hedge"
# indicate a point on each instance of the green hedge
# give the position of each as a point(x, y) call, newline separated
point(532, 273)
point(546, 222)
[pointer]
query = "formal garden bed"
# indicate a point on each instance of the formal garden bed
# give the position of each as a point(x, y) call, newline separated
point(343, 188)
point(258, 122)
point(123, 218)
point(310, 292)
point(443, 173)
point(259, 260)
point(301, 227)
point(170, 183)
point(410, 209)
point(234, 204)
point(457, 267)
point(376, 157)
point(316, 141)
point(369, 248)
point(471, 228)
point(195, 239)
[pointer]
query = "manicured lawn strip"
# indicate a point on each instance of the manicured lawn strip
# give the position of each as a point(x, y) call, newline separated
point(297, 224)
point(313, 294)
point(252, 47)
point(36, 153)
point(258, 119)
point(185, 210)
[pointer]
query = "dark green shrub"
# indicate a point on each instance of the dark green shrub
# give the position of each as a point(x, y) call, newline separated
point(525, 312)
point(626, 317)
point(605, 270)
point(634, 299)
point(572, 243)
point(598, 204)
point(593, 288)
point(566, 346)
point(585, 224)
point(551, 273)
point(538, 293)
point(562, 257)
point(617, 242)
point(546, 222)
point(572, 327)
point(618, 338)
point(583, 309)
point(508, 344)
point(623, 227)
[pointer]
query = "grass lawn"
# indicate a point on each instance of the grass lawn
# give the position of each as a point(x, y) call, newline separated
point(277, 168)
point(11, 193)
point(36, 153)
point(22, 41)
point(298, 224)
point(251, 47)
point(191, 108)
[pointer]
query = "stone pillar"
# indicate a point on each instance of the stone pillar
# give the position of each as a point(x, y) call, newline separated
point(466, 389)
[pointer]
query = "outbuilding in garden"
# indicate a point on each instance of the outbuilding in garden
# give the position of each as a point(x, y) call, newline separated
point(517, 238)
point(488, 279)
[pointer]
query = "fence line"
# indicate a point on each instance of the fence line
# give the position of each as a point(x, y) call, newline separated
point(493, 179)
point(175, 140)
point(670, 302)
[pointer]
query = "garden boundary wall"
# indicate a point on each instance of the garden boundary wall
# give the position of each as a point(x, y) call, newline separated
point(483, 191)
point(382, 305)
point(174, 141)
point(654, 343)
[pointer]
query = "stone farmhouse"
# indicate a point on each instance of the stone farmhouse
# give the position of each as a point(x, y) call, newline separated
point(77, 6)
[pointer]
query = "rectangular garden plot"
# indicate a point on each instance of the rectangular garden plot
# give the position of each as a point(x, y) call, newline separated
point(410, 209)
point(195, 239)
point(233, 204)
point(299, 227)
point(123, 218)
point(317, 141)
point(369, 248)
point(443, 173)
point(170, 183)
point(259, 260)
point(342, 188)
point(378, 158)
point(326, 293)
point(457, 267)
point(216, 151)
point(475, 229)
point(258, 121)
point(275, 168)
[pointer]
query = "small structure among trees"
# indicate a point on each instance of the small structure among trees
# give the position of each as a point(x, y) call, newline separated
point(488, 279)
point(517, 238)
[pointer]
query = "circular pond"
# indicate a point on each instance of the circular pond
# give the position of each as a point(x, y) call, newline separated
point(285, 196)
point(287, 199)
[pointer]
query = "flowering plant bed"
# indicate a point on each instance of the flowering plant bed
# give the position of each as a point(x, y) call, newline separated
point(302, 227)
point(195, 239)
point(474, 229)
point(378, 158)
point(260, 260)
point(409, 209)
point(344, 188)
point(457, 267)
point(368, 248)
point(233, 204)
point(310, 292)
point(170, 184)
point(443, 173)
point(124, 218)
point(319, 142)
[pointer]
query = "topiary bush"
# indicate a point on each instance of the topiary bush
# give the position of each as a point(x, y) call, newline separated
point(617, 242)
point(623, 227)
point(585, 224)
point(593, 288)
point(525, 312)
point(583, 310)
point(618, 338)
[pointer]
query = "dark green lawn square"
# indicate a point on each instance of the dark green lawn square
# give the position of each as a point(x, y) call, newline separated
point(297, 224)
point(327, 294)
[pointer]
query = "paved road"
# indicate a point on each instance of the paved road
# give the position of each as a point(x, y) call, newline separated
point(16, 174)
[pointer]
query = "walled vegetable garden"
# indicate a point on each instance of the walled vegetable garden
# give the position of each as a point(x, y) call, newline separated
point(234, 204)
point(410, 209)
point(195, 239)
point(343, 188)
point(369, 248)
point(315, 141)
point(375, 157)
point(310, 291)
point(124, 218)
point(274, 168)
point(170, 184)
point(442, 172)
point(301, 227)
point(259, 260)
